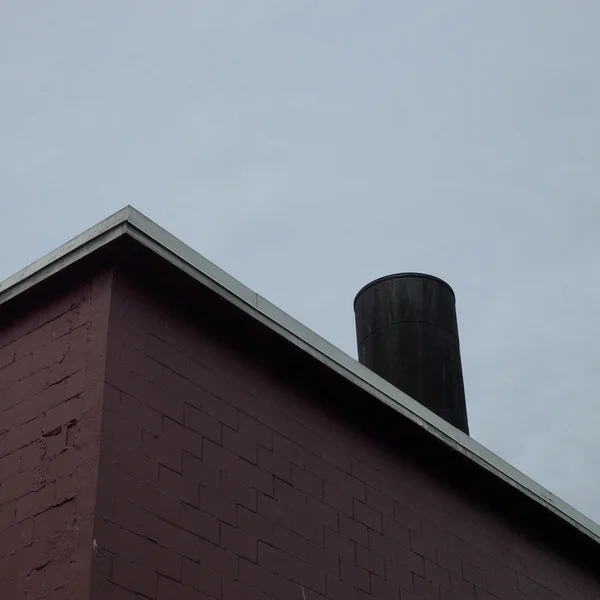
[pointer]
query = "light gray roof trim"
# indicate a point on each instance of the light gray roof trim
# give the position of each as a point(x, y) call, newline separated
point(67, 254)
point(129, 221)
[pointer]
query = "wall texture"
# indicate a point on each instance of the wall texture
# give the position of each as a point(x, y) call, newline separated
point(155, 445)
point(52, 359)
point(220, 478)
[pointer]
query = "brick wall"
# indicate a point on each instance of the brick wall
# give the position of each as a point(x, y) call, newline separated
point(166, 450)
point(220, 478)
point(52, 358)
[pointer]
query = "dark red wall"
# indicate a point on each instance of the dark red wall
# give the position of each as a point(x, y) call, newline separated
point(222, 477)
point(155, 443)
point(52, 358)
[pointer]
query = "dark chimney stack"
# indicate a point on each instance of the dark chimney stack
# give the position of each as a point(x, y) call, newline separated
point(407, 333)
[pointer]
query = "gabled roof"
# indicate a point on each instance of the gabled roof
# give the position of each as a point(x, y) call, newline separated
point(128, 222)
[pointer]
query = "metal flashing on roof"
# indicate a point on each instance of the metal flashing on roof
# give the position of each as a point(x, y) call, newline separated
point(130, 222)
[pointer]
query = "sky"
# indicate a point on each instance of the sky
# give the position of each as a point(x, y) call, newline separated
point(308, 147)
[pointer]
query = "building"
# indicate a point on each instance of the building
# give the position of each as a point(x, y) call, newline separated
point(167, 434)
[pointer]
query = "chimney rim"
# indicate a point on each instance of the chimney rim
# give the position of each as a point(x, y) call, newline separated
point(399, 276)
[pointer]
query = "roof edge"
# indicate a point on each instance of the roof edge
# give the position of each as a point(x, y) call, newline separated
point(70, 252)
point(131, 222)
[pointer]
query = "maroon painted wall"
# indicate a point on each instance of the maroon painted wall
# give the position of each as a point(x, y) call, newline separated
point(155, 443)
point(221, 478)
point(52, 359)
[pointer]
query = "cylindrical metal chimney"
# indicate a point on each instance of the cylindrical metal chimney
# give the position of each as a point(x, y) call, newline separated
point(407, 333)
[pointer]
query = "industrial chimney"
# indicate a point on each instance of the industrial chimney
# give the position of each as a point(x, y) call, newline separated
point(407, 333)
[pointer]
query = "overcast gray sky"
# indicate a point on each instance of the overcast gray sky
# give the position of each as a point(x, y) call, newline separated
point(308, 147)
